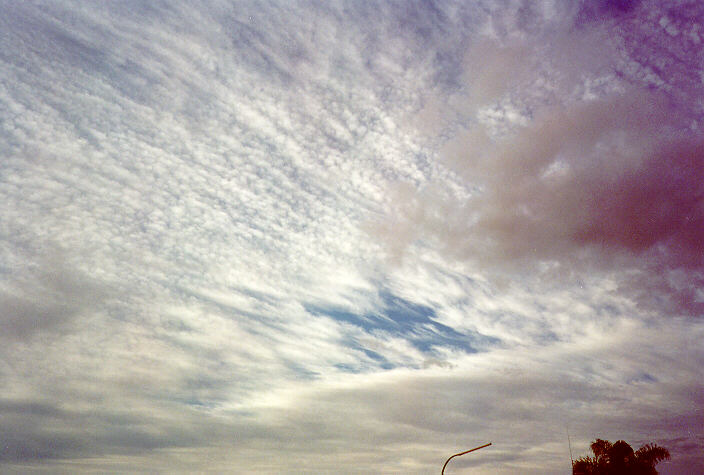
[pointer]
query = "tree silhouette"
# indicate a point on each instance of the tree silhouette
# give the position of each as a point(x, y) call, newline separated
point(620, 459)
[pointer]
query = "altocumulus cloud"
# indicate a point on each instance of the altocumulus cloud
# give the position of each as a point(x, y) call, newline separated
point(355, 237)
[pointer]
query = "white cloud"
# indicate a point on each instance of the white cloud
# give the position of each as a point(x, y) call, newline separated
point(209, 250)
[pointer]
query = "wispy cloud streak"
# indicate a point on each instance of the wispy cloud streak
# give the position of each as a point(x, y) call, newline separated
point(358, 235)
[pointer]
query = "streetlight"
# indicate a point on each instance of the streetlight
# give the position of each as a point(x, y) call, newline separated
point(462, 453)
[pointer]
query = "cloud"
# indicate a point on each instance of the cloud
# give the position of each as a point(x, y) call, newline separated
point(535, 396)
point(187, 280)
point(605, 10)
point(413, 420)
point(603, 173)
point(609, 182)
point(46, 297)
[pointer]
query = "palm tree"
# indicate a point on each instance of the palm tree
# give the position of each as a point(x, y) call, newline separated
point(620, 459)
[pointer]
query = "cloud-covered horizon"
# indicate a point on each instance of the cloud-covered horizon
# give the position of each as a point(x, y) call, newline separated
point(352, 237)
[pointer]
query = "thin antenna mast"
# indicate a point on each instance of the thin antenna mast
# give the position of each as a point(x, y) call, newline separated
point(569, 443)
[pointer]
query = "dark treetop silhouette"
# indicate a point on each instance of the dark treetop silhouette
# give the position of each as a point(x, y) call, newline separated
point(620, 459)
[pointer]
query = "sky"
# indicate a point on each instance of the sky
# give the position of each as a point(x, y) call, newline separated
point(349, 236)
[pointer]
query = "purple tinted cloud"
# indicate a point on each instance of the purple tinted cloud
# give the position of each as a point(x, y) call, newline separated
point(611, 178)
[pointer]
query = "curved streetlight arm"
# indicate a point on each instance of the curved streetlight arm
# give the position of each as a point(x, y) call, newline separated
point(462, 453)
